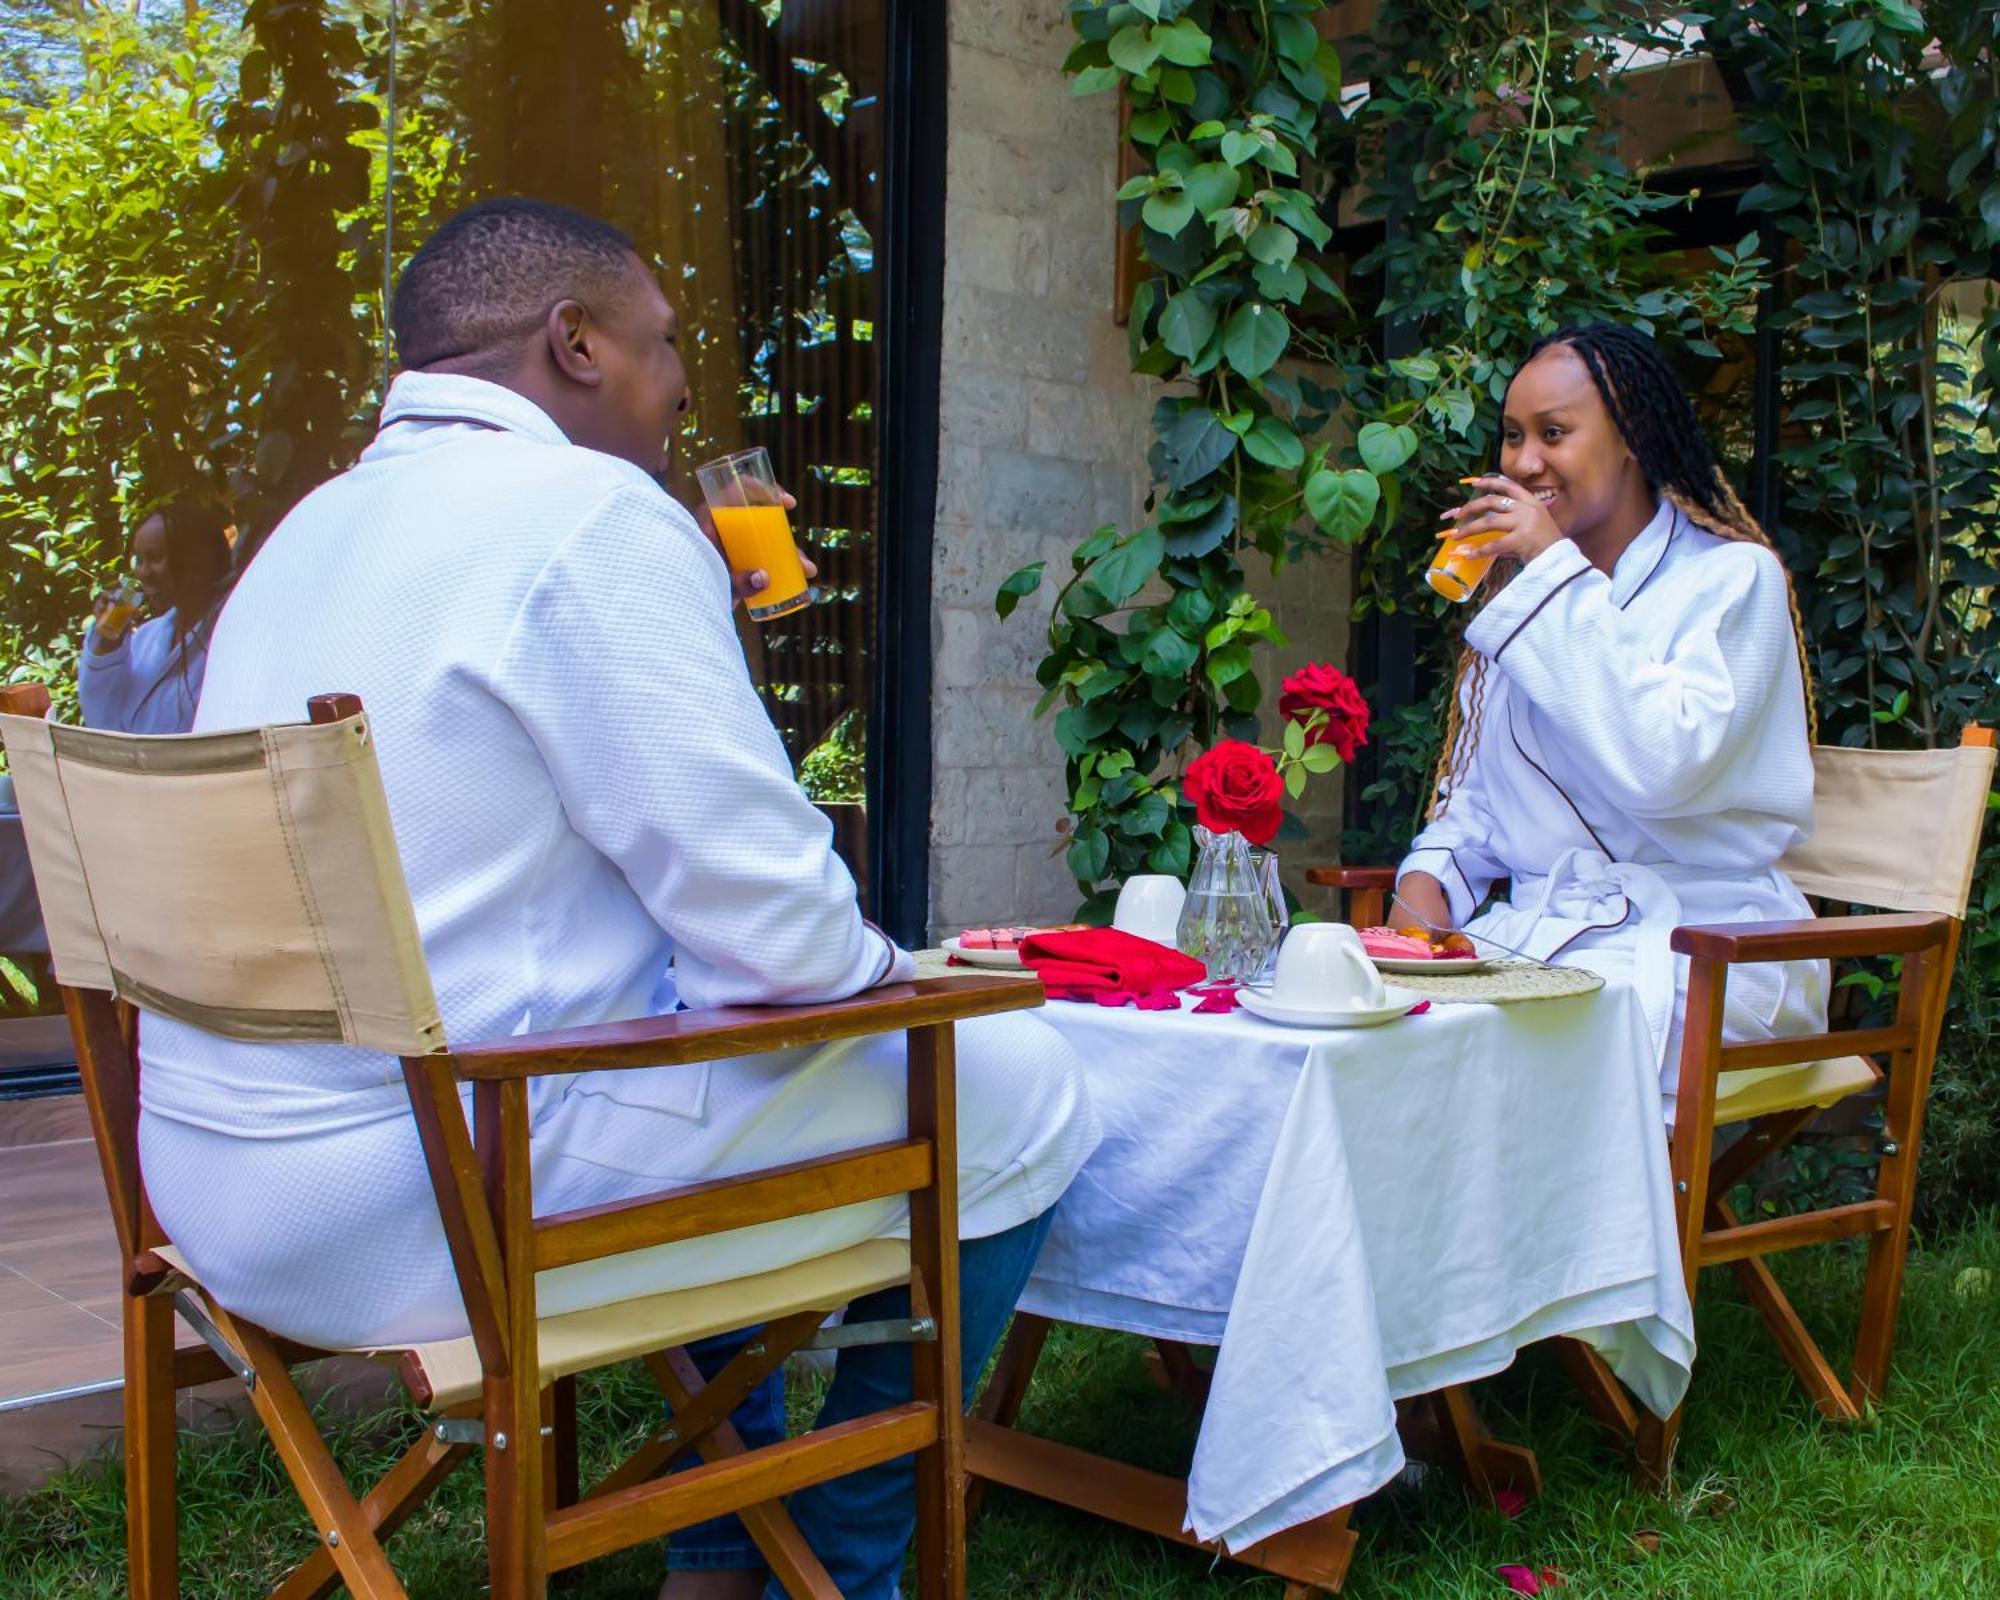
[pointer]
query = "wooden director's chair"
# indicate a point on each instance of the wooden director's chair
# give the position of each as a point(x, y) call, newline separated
point(281, 913)
point(1896, 830)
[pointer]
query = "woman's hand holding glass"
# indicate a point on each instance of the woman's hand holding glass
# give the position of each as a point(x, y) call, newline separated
point(1502, 519)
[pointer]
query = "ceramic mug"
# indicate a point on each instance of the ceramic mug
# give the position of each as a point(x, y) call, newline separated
point(1149, 906)
point(1322, 967)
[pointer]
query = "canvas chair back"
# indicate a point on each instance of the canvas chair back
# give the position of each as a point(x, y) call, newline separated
point(246, 882)
point(1896, 829)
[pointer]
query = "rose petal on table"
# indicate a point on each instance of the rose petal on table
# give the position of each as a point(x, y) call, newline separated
point(1418, 1010)
point(1216, 998)
point(1510, 1503)
point(1521, 1580)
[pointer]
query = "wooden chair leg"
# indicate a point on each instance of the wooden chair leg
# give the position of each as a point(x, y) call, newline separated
point(1802, 1354)
point(559, 1465)
point(337, 1517)
point(935, 1364)
point(1603, 1395)
point(152, 1440)
point(1654, 1454)
point(777, 1537)
point(1925, 989)
point(516, 1531)
point(1001, 1403)
point(385, 1508)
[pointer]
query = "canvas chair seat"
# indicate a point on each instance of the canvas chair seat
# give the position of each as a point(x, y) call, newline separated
point(1752, 1092)
point(445, 1373)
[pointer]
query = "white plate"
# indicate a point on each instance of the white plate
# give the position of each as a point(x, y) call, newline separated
point(1412, 967)
point(982, 958)
point(1396, 1003)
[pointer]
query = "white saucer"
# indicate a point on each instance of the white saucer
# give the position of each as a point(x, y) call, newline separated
point(1010, 959)
point(1436, 965)
point(1396, 1003)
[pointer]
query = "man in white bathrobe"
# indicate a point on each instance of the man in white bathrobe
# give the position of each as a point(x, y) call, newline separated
point(598, 821)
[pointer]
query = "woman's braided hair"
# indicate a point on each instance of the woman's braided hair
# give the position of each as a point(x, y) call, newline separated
point(1653, 415)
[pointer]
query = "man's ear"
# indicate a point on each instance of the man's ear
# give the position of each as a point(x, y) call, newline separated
point(572, 338)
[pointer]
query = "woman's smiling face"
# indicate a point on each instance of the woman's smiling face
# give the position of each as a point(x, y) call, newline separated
point(1558, 442)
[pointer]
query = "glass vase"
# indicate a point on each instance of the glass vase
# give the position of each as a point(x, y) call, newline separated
point(1265, 864)
point(1226, 924)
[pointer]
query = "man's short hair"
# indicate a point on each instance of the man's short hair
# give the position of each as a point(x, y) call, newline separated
point(492, 272)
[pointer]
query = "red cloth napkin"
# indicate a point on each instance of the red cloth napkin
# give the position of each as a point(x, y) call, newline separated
point(1111, 968)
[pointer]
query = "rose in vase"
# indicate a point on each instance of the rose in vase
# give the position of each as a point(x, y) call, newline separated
point(1236, 788)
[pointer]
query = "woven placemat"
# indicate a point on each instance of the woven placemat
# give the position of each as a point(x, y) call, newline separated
point(937, 964)
point(1505, 983)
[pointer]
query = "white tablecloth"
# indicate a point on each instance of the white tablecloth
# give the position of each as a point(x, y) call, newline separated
point(1357, 1216)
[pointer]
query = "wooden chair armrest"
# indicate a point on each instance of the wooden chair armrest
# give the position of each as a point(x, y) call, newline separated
point(1352, 877)
point(686, 1037)
point(1814, 938)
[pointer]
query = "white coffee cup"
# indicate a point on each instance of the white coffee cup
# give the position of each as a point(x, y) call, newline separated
point(1322, 967)
point(1149, 906)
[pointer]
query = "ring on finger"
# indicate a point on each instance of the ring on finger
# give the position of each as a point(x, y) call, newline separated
point(1506, 502)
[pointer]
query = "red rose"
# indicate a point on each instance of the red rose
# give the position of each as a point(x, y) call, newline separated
point(1322, 688)
point(1236, 789)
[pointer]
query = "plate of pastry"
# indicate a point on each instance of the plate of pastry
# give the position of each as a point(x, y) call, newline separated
point(996, 947)
point(1413, 951)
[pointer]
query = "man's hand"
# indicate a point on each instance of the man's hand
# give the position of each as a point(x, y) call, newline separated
point(746, 584)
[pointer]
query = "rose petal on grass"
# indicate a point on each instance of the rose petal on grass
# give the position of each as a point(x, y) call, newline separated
point(1510, 1503)
point(1521, 1580)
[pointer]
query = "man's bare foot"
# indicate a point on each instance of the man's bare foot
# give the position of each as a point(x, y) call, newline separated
point(738, 1584)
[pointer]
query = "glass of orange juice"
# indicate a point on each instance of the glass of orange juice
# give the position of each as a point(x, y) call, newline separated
point(750, 519)
point(1458, 567)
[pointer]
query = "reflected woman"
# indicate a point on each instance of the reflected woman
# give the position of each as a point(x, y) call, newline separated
point(1630, 735)
point(147, 679)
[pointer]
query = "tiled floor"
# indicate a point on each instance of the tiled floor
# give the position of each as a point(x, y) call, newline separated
point(58, 1259)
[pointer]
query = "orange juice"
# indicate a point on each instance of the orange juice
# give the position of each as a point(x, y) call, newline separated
point(759, 538)
point(1458, 566)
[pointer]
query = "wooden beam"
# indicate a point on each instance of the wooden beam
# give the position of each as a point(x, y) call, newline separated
point(690, 1036)
point(797, 1189)
point(1789, 1233)
point(616, 1521)
point(1317, 1552)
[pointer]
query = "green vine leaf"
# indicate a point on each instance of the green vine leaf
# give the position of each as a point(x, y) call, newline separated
point(1384, 448)
point(1184, 43)
point(1169, 654)
point(1169, 212)
point(1212, 186)
point(1095, 80)
point(1187, 322)
point(1197, 444)
point(1123, 572)
point(1201, 533)
point(1134, 49)
point(1239, 147)
point(1256, 335)
point(1342, 503)
point(1018, 587)
point(1275, 445)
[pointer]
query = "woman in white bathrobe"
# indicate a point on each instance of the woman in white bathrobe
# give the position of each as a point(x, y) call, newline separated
point(1630, 743)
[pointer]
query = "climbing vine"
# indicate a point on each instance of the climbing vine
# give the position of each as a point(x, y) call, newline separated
point(1151, 635)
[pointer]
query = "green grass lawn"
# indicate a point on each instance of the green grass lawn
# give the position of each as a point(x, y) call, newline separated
point(1771, 1502)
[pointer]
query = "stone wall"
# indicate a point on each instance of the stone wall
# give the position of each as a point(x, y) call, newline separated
point(1044, 432)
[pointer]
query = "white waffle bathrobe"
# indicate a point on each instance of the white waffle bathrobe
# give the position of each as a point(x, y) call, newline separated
point(597, 819)
point(1642, 762)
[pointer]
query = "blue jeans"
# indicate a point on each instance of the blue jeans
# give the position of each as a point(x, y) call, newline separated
point(860, 1525)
